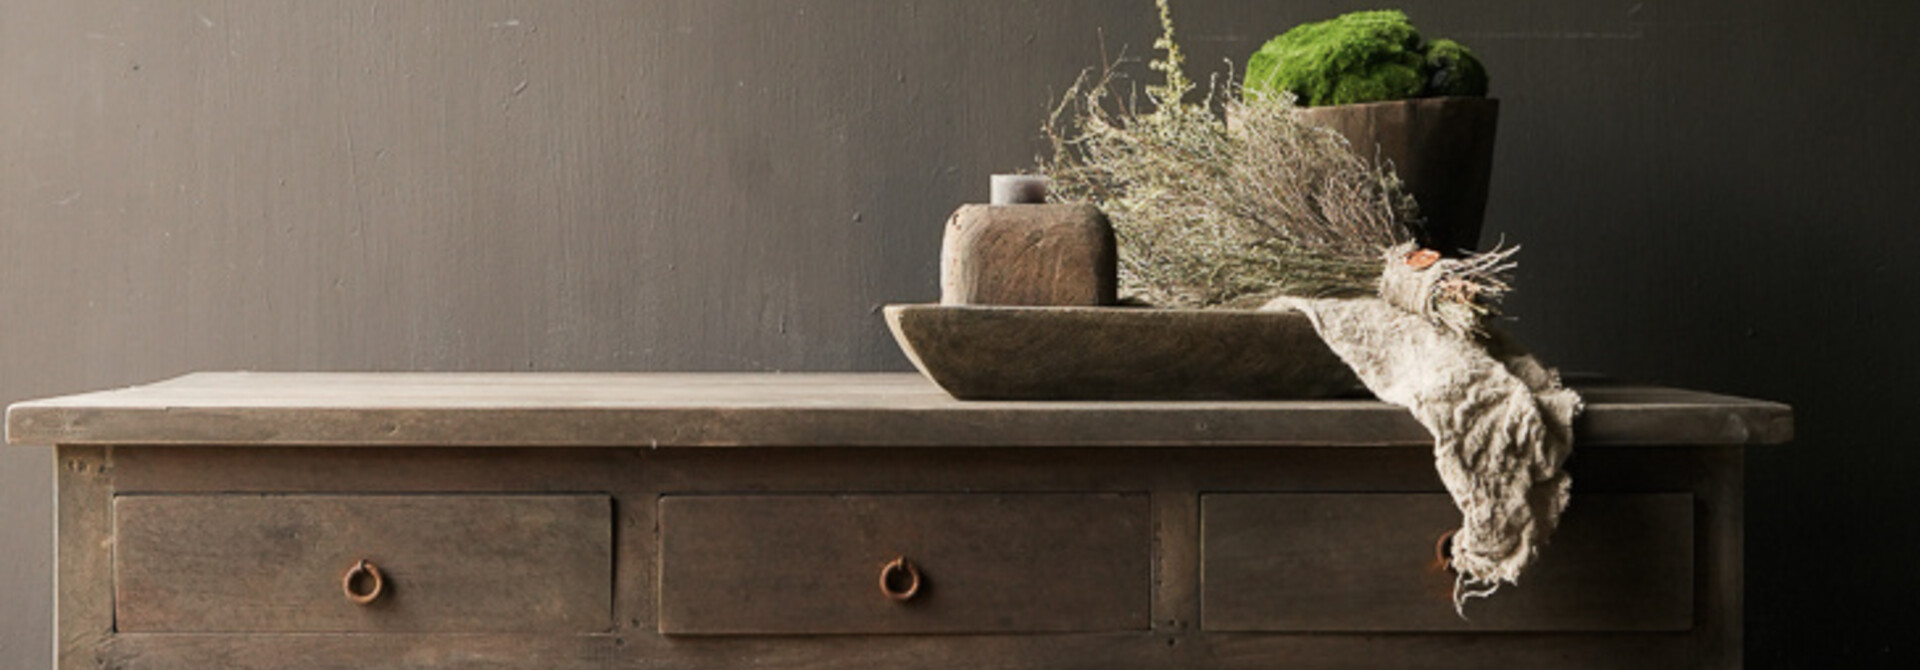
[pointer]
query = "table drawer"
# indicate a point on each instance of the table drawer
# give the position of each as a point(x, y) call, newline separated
point(747, 565)
point(448, 563)
point(1366, 562)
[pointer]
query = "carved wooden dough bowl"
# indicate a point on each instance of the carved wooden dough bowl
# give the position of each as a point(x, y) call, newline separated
point(979, 352)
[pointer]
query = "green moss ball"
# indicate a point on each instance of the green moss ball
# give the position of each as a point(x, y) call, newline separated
point(1454, 71)
point(1362, 57)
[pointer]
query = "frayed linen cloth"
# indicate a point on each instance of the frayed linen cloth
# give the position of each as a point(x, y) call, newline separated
point(1501, 425)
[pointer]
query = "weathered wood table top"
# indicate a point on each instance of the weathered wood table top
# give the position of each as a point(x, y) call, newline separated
point(783, 410)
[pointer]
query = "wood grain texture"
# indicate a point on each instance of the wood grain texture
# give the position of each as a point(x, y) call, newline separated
point(1720, 587)
point(1008, 563)
point(1367, 563)
point(83, 555)
point(1447, 652)
point(462, 564)
point(802, 410)
point(362, 651)
point(615, 652)
point(979, 352)
point(1176, 555)
point(1028, 254)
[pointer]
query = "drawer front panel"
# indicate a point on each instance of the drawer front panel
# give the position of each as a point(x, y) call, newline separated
point(1367, 562)
point(751, 565)
point(460, 563)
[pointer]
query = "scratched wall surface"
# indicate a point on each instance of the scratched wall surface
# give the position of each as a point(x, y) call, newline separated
point(1710, 194)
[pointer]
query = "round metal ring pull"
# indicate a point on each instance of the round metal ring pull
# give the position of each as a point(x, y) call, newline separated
point(1443, 552)
point(900, 580)
point(363, 583)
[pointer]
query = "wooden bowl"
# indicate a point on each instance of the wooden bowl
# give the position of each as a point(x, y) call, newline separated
point(979, 352)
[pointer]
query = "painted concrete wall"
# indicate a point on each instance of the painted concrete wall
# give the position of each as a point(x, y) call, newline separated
point(1711, 194)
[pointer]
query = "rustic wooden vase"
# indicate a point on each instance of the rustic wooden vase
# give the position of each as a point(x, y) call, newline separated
point(1442, 149)
point(1028, 254)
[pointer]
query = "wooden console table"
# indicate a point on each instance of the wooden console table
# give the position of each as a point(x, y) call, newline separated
point(560, 521)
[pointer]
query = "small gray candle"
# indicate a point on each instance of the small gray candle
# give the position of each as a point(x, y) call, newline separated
point(1019, 189)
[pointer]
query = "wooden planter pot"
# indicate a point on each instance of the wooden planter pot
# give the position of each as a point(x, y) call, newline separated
point(1442, 148)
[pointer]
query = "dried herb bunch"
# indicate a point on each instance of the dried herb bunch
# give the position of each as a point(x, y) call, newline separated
point(1231, 208)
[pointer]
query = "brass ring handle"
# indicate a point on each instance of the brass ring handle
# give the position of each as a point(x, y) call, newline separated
point(895, 572)
point(376, 583)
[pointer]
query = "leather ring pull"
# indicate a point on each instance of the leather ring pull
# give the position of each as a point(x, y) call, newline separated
point(376, 583)
point(893, 574)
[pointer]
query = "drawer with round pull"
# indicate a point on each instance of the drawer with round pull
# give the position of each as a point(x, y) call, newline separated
point(377, 563)
point(1372, 562)
point(879, 564)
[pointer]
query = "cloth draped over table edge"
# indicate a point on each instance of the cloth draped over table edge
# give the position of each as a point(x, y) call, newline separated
point(1501, 421)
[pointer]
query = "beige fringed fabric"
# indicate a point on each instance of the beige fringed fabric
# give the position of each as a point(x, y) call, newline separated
point(1502, 423)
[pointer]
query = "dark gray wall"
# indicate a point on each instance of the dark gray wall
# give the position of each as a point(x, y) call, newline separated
point(1711, 194)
